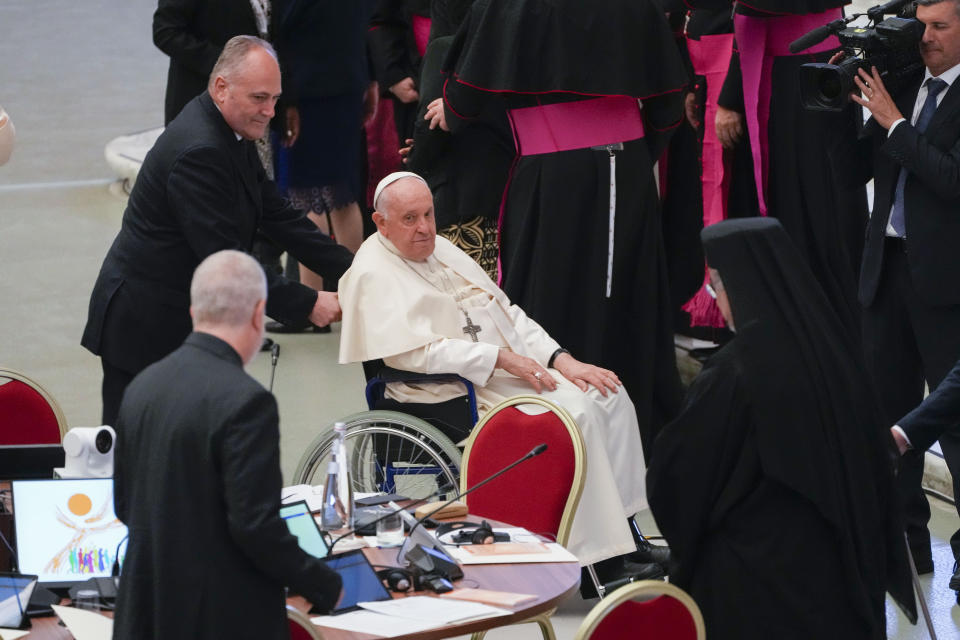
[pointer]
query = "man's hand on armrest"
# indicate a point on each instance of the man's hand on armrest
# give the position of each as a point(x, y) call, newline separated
point(582, 374)
point(526, 368)
point(326, 310)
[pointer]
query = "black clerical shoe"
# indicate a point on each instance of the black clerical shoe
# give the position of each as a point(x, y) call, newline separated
point(616, 572)
point(647, 553)
point(278, 327)
point(642, 570)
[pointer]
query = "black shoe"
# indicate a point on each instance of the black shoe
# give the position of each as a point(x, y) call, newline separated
point(278, 327)
point(267, 345)
point(642, 570)
point(616, 572)
point(955, 579)
point(647, 552)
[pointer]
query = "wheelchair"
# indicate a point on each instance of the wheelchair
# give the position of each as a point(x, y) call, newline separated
point(403, 448)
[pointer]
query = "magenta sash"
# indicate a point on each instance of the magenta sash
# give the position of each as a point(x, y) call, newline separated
point(710, 57)
point(575, 125)
point(421, 32)
point(566, 126)
point(760, 40)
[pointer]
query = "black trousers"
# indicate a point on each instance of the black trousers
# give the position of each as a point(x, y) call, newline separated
point(115, 382)
point(907, 342)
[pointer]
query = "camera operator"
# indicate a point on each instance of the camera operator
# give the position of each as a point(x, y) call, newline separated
point(911, 262)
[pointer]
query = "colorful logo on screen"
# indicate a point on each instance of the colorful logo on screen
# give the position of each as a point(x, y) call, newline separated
point(79, 556)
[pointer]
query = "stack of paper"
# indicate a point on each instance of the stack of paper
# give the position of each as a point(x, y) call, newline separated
point(408, 615)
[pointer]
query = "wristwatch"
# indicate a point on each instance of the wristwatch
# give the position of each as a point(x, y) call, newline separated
point(554, 356)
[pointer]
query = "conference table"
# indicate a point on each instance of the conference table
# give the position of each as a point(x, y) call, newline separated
point(550, 582)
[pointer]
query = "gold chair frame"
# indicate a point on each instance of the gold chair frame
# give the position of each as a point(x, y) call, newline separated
point(12, 374)
point(573, 498)
point(303, 620)
point(640, 591)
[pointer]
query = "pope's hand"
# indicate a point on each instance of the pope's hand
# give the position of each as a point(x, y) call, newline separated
point(526, 368)
point(583, 374)
point(326, 310)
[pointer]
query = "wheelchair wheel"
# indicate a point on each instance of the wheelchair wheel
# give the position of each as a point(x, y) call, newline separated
point(389, 452)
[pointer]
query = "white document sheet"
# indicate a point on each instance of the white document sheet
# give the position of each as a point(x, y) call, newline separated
point(85, 625)
point(11, 634)
point(375, 623)
point(439, 610)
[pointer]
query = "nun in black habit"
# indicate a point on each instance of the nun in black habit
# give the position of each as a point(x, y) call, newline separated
point(774, 486)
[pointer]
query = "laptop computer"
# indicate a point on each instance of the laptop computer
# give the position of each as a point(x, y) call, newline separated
point(302, 524)
point(15, 592)
point(360, 581)
point(65, 530)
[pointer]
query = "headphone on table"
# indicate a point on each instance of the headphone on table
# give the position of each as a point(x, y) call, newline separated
point(472, 533)
point(399, 580)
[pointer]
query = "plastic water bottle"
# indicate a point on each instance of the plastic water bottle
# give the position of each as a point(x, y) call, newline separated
point(337, 514)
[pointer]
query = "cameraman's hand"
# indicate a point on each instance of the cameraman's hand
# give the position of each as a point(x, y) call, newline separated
point(875, 98)
point(729, 125)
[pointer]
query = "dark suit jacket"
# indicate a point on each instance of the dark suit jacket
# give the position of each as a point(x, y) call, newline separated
point(197, 481)
point(938, 412)
point(192, 33)
point(931, 198)
point(199, 191)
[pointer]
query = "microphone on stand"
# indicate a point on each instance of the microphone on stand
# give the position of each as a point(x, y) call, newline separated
point(274, 356)
point(537, 450)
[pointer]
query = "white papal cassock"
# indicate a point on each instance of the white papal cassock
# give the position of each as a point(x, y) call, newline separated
point(411, 314)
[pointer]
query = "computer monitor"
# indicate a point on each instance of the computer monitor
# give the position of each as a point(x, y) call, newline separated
point(20, 461)
point(15, 592)
point(302, 524)
point(66, 531)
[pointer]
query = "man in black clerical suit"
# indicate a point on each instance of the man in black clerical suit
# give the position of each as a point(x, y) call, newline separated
point(197, 480)
point(911, 262)
point(202, 189)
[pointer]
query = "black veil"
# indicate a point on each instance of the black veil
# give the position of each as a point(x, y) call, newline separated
point(805, 374)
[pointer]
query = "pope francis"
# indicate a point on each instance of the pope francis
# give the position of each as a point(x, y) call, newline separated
point(421, 304)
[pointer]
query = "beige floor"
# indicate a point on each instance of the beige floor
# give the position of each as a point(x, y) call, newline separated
point(75, 75)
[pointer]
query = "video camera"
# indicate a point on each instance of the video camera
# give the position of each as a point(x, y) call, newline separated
point(892, 45)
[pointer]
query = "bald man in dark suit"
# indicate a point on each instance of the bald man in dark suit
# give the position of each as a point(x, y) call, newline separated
point(202, 189)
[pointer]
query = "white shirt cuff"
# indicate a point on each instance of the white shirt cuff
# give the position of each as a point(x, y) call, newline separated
point(894, 125)
point(903, 433)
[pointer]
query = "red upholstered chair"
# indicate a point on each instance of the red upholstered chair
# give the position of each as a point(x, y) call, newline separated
point(540, 495)
point(648, 609)
point(28, 414)
point(300, 626)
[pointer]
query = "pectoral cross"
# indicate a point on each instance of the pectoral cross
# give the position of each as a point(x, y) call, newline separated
point(471, 329)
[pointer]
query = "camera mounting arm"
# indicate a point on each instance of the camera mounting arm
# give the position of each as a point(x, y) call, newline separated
point(820, 34)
